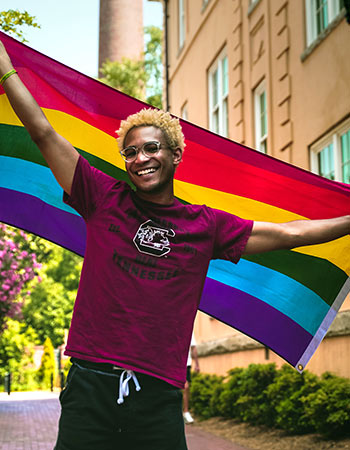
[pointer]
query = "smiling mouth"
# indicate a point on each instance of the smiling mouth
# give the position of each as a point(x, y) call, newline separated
point(145, 171)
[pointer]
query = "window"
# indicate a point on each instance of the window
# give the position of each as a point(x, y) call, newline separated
point(319, 14)
point(181, 11)
point(260, 111)
point(330, 156)
point(184, 113)
point(204, 4)
point(218, 95)
point(345, 155)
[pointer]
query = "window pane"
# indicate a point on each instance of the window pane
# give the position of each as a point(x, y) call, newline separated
point(345, 153)
point(263, 146)
point(184, 112)
point(216, 121)
point(215, 87)
point(346, 173)
point(321, 15)
point(260, 119)
point(181, 22)
point(218, 95)
point(225, 119)
point(326, 162)
point(225, 76)
point(263, 115)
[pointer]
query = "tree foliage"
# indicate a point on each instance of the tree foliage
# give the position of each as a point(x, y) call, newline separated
point(16, 349)
point(49, 308)
point(154, 65)
point(11, 20)
point(141, 79)
point(42, 293)
point(46, 311)
point(18, 267)
point(47, 369)
point(127, 75)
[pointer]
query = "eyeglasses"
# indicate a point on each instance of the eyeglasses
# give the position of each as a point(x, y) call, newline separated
point(148, 149)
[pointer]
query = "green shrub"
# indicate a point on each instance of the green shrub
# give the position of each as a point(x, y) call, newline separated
point(201, 392)
point(252, 405)
point(230, 393)
point(214, 402)
point(328, 409)
point(260, 394)
point(47, 369)
point(286, 397)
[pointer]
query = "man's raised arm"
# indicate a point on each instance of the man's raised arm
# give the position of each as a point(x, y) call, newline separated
point(60, 155)
point(268, 236)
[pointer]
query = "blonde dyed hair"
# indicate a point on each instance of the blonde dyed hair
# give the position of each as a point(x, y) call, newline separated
point(170, 126)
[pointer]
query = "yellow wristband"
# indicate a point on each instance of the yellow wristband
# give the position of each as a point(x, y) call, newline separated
point(8, 74)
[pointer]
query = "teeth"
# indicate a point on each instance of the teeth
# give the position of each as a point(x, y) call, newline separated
point(145, 171)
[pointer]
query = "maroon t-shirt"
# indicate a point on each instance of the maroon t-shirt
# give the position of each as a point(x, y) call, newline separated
point(143, 274)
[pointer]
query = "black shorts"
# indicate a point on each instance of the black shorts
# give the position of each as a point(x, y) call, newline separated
point(188, 374)
point(91, 419)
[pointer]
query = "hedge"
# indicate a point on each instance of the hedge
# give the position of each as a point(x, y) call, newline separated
point(280, 398)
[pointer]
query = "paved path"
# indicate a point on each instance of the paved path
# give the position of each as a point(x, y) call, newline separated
point(28, 421)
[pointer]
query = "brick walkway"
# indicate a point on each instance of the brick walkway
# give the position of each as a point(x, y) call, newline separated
point(28, 424)
point(28, 421)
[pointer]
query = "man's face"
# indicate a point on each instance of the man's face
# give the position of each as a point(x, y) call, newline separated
point(152, 176)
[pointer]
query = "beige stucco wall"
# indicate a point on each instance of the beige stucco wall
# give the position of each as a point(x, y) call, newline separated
point(305, 98)
point(332, 356)
point(308, 93)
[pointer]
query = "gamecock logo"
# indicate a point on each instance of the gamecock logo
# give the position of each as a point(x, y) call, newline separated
point(153, 239)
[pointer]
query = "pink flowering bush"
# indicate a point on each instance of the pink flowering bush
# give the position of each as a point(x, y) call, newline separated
point(17, 268)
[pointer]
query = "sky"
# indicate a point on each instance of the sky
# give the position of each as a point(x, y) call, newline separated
point(69, 29)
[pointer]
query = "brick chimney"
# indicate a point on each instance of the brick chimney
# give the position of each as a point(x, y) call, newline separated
point(121, 30)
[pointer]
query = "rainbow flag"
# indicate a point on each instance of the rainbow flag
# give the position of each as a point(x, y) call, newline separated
point(284, 299)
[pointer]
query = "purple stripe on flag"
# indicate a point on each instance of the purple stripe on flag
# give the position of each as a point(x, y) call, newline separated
point(36, 216)
point(258, 319)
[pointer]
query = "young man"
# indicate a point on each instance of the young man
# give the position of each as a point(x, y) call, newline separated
point(139, 289)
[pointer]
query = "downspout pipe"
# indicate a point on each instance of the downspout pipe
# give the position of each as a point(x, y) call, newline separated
point(166, 44)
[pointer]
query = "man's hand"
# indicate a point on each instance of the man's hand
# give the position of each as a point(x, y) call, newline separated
point(60, 155)
point(5, 62)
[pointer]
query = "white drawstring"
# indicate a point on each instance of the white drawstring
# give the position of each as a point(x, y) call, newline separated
point(124, 385)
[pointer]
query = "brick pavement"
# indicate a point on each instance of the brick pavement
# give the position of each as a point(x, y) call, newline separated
point(28, 424)
point(28, 421)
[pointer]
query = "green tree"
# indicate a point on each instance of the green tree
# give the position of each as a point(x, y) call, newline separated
point(49, 308)
point(16, 353)
point(30, 243)
point(154, 65)
point(17, 268)
point(65, 268)
point(141, 79)
point(47, 369)
point(127, 75)
point(11, 20)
